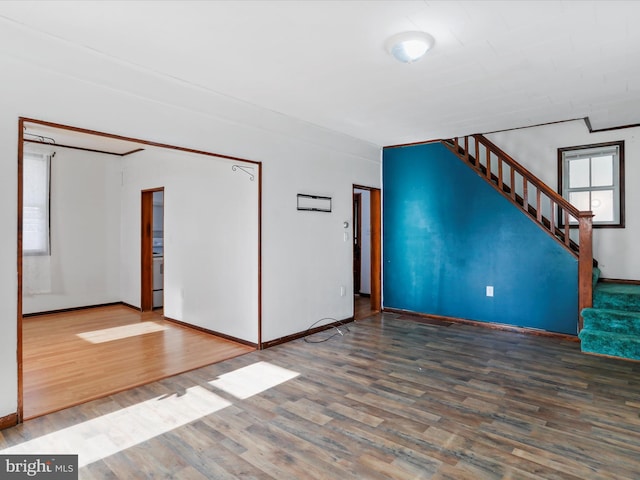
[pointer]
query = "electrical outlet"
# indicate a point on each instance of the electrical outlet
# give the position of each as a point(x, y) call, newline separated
point(489, 290)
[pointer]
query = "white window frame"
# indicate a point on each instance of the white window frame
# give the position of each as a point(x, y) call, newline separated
point(36, 212)
point(616, 149)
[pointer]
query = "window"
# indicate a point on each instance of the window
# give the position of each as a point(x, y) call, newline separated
point(591, 177)
point(35, 203)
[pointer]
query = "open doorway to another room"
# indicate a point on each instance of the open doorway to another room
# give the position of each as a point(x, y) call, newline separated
point(366, 252)
point(82, 331)
point(152, 248)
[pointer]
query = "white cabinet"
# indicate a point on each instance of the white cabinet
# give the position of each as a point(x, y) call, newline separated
point(158, 281)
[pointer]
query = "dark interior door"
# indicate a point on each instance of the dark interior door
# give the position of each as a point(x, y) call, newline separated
point(357, 249)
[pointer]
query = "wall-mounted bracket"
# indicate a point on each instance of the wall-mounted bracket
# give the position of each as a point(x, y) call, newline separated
point(247, 170)
point(314, 203)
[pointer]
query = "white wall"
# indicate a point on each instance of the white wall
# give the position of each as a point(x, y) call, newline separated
point(8, 249)
point(304, 257)
point(537, 149)
point(83, 268)
point(210, 238)
point(314, 241)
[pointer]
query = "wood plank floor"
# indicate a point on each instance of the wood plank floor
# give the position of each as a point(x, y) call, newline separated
point(362, 307)
point(72, 357)
point(390, 399)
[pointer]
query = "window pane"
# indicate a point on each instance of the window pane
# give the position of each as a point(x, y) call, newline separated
point(35, 208)
point(602, 206)
point(579, 173)
point(602, 171)
point(592, 180)
point(580, 200)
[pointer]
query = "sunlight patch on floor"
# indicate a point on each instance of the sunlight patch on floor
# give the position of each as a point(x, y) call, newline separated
point(103, 436)
point(114, 432)
point(253, 379)
point(123, 331)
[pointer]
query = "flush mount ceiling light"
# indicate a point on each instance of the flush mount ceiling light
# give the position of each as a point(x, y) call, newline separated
point(409, 47)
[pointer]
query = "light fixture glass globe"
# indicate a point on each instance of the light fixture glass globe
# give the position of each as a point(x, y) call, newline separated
point(409, 47)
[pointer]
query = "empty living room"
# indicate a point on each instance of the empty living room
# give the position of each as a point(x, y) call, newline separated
point(310, 239)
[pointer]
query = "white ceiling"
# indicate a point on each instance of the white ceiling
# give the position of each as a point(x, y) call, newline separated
point(496, 65)
point(46, 134)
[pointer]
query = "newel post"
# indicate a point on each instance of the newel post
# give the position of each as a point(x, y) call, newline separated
point(585, 263)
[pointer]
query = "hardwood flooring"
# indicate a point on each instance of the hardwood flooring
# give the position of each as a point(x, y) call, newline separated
point(362, 307)
point(390, 399)
point(72, 357)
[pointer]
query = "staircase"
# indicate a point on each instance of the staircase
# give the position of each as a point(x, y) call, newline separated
point(612, 325)
point(609, 320)
point(549, 210)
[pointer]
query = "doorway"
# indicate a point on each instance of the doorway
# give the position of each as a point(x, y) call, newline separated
point(152, 249)
point(357, 243)
point(366, 251)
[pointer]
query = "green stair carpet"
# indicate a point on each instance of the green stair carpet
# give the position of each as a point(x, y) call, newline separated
point(612, 344)
point(617, 296)
point(612, 326)
point(614, 321)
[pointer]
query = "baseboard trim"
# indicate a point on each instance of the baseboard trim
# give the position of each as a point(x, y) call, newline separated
point(8, 421)
point(211, 332)
point(494, 326)
point(72, 309)
point(133, 307)
point(310, 331)
point(615, 280)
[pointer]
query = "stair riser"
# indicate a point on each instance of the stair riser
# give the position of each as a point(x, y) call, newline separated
point(592, 342)
point(610, 321)
point(613, 326)
point(627, 303)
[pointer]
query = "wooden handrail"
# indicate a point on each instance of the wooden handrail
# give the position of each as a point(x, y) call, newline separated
point(583, 250)
point(552, 194)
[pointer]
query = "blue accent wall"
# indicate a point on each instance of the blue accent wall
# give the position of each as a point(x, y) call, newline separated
point(448, 234)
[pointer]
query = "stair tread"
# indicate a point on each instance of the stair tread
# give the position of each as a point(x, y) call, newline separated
point(612, 311)
point(611, 287)
point(612, 321)
point(604, 333)
point(611, 344)
point(617, 296)
point(614, 346)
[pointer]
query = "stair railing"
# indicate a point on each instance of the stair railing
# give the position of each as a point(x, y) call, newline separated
point(549, 210)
